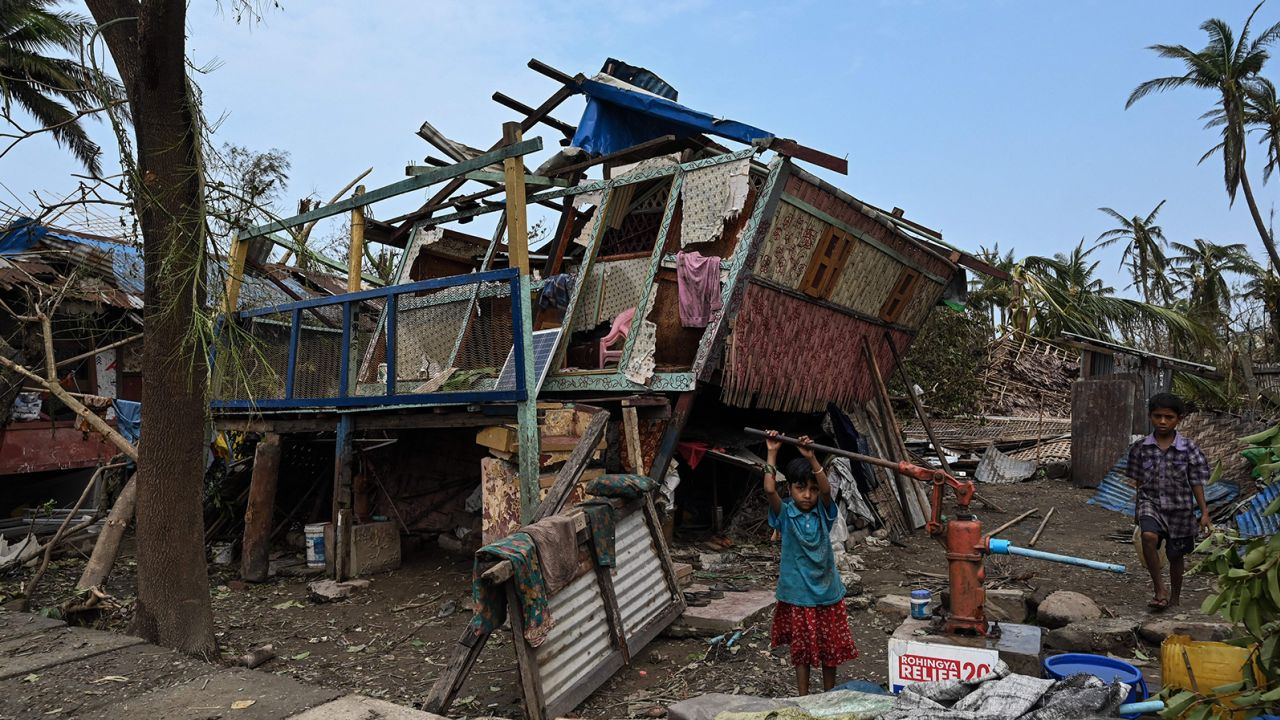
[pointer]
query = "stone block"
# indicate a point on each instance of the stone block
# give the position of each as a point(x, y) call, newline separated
point(360, 707)
point(17, 624)
point(1099, 636)
point(1155, 630)
point(30, 653)
point(375, 548)
point(894, 607)
point(1006, 606)
point(734, 611)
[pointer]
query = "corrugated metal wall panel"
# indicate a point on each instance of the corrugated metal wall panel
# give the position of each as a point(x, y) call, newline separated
point(1251, 521)
point(638, 581)
point(581, 641)
point(578, 642)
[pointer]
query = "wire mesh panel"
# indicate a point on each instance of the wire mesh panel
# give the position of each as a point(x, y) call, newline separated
point(443, 340)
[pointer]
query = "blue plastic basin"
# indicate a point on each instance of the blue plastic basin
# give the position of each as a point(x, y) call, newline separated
point(1100, 666)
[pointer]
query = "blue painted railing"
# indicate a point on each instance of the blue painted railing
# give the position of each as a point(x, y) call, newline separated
point(390, 396)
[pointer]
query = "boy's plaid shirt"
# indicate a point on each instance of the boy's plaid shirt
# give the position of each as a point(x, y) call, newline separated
point(1165, 479)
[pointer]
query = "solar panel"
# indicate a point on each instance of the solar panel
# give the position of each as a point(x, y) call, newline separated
point(544, 349)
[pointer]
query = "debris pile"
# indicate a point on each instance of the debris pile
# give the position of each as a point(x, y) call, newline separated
point(1028, 377)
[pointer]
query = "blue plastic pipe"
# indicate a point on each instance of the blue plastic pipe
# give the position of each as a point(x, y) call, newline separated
point(1003, 547)
point(1141, 708)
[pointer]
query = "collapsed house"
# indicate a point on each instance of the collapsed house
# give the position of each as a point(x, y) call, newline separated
point(89, 286)
point(688, 291)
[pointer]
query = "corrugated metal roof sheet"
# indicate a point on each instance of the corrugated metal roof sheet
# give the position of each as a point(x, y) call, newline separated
point(1116, 492)
point(1250, 520)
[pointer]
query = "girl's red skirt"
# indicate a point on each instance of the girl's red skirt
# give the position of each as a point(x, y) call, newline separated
point(818, 636)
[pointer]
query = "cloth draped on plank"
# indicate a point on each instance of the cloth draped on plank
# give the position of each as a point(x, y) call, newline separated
point(600, 521)
point(526, 572)
point(622, 486)
point(557, 543)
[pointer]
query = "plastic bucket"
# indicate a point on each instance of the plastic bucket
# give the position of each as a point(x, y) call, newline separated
point(1100, 666)
point(315, 544)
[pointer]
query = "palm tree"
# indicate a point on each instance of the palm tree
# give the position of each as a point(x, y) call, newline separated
point(988, 293)
point(57, 92)
point(1063, 293)
point(1225, 66)
point(1143, 251)
point(1201, 272)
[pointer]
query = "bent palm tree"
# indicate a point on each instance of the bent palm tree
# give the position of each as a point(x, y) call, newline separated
point(1143, 251)
point(1201, 271)
point(57, 92)
point(1065, 294)
point(1227, 66)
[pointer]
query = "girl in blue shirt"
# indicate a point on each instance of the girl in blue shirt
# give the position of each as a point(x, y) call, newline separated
point(810, 615)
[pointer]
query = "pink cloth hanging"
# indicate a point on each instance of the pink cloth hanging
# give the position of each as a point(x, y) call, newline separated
point(698, 286)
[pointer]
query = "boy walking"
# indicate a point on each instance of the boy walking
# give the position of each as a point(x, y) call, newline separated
point(1170, 472)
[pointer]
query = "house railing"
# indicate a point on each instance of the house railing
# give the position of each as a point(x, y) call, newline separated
point(444, 341)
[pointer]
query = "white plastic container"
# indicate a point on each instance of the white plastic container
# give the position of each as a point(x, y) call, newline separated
point(315, 544)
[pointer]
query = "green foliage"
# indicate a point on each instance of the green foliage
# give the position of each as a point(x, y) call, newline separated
point(946, 359)
point(1248, 595)
point(58, 92)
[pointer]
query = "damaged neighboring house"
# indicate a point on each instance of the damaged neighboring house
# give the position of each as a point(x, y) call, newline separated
point(689, 288)
point(93, 284)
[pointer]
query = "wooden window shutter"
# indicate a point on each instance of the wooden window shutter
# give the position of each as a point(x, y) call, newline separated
point(826, 264)
point(900, 296)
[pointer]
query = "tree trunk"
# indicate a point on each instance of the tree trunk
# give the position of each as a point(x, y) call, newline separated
point(173, 607)
point(1267, 241)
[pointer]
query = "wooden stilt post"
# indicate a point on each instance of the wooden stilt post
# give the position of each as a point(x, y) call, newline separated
point(235, 273)
point(355, 259)
point(518, 246)
point(255, 550)
point(342, 473)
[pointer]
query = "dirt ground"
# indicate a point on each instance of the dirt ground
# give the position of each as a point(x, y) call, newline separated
point(391, 639)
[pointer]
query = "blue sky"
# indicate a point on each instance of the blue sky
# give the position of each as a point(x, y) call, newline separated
point(992, 121)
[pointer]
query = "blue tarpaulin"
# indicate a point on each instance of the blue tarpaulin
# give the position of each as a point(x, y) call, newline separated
point(128, 419)
point(616, 119)
point(20, 235)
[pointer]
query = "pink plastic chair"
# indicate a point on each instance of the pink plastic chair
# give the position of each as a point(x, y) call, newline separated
point(619, 331)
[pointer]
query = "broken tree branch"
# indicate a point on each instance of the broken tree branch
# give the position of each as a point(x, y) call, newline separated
point(108, 546)
point(62, 529)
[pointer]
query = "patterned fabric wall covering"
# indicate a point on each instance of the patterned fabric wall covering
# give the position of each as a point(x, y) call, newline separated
point(791, 355)
point(792, 236)
point(866, 220)
point(612, 288)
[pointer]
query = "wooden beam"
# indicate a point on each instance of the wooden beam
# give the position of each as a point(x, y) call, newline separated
point(564, 127)
point(540, 67)
point(631, 428)
point(256, 547)
point(412, 184)
point(488, 176)
point(548, 105)
point(645, 148)
point(671, 435)
point(104, 348)
point(235, 274)
point(791, 148)
point(572, 469)
point(355, 254)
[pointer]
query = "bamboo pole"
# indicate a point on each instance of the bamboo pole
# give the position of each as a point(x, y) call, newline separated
point(1040, 529)
point(1013, 522)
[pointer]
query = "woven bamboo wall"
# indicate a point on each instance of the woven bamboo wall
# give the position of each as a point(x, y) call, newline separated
point(794, 356)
